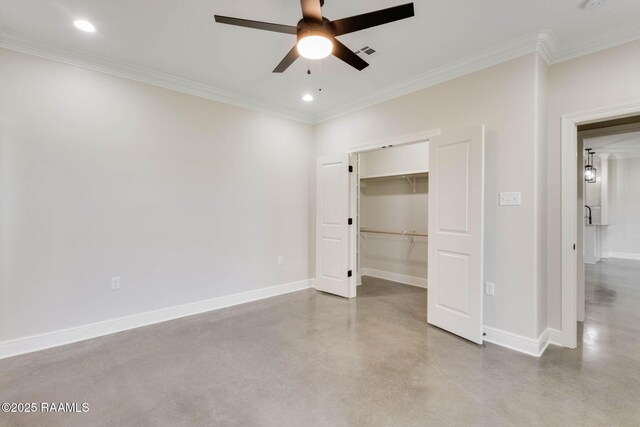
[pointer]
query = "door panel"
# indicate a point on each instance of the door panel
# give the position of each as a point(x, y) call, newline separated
point(456, 228)
point(332, 262)
point(331, 205)
point(332, 233)
point(454, 269)
point(453, 210)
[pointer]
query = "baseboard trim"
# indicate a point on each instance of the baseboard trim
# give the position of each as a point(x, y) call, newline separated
point(67, 336)
point(621, 255)
point(531, 346)
point(395, 277)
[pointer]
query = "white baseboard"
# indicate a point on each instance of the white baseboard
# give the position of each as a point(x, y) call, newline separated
point(621, 255)
point(395, 277)
point(67, 336)
point(530, 346)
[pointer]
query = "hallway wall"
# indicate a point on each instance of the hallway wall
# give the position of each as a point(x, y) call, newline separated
point(605, 78)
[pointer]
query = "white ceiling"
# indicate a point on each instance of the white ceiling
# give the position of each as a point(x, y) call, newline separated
point(178, 42)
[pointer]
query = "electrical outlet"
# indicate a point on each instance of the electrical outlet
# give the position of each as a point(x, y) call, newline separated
point(490, 288)
point(115, 283)
point(280, 260)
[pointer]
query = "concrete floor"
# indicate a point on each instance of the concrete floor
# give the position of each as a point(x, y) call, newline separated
point(312, 359)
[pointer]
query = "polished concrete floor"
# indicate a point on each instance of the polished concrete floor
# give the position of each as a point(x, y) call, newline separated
point(313, 359)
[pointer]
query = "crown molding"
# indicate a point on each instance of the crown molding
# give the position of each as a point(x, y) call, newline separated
point(547, 46)
point(543, 42)
point(595, 46)
point(16, 42)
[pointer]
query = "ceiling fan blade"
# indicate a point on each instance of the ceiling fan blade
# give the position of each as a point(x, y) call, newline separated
point(371, 19)
point(311, 10)
point(267, 26)
point(288, 60)
point(348, 56)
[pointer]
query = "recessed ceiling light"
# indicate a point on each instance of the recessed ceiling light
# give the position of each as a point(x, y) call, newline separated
point(85, 26)
point(307, 98)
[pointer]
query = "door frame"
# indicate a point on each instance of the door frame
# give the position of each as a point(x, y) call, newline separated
point(570, 220)
point(352, 151)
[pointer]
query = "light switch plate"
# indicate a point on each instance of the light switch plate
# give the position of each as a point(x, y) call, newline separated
point(510, 199)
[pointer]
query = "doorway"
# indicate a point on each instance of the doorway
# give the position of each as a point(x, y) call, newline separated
point(592, 144)
point(392, 214)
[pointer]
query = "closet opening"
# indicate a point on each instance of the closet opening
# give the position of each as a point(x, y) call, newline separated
point(391, 205)
point(407, 215)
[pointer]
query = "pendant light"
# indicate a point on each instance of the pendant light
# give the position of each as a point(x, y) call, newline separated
point(589, 169)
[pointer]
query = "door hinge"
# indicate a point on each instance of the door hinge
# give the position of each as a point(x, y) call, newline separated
point(350, 221)
point(350, 168)
point(349, 273)
point(574, 246)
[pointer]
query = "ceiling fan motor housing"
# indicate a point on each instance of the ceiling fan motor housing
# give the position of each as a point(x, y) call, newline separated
point(306, 29)
point(302, 33)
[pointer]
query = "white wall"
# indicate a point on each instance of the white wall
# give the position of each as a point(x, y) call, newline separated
point(623, 236)
point(391, 205)
point(503, 98)
point(183, 198)
point(605, 78)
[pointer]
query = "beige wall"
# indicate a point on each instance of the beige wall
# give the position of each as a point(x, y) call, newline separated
point(185, 199)
point(606, 78)
point(503, 98)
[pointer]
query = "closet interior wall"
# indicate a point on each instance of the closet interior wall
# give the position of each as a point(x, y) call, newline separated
point(393, 214)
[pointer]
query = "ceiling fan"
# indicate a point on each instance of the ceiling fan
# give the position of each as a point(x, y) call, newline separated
point(317, 35)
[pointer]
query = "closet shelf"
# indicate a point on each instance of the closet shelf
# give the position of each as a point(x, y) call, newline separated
point(409, 177)
point(395, 233)
point(394, 176)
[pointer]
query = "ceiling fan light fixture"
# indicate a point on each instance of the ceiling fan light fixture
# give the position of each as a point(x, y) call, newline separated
point(315, 46)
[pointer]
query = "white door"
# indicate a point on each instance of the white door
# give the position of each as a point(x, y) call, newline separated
point(332, 233)
point(456, 222)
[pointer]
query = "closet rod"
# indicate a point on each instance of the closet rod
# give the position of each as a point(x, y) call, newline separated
point(364, 230)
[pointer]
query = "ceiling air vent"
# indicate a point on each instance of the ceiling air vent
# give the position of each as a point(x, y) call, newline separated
point(366, 50)
point(593, 4)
